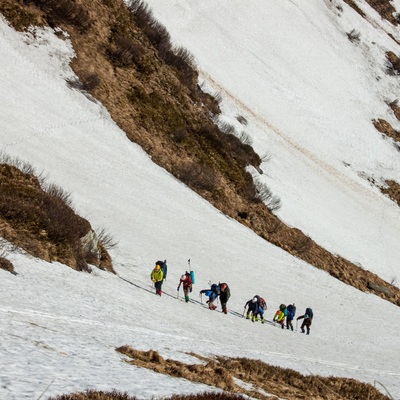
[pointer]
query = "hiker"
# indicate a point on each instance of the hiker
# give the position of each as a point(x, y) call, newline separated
point(251, 305)
point(224, 295)
point(186, 282)
point(157, 277)
point(291, 312)
point(212, 294)
point(164, 268)
point(280, 315)
point(307, 320)
point(256, 306)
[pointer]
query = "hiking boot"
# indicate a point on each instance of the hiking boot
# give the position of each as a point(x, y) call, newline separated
point(248, 316)
point(262, 320)
point(253, 318)
point(256, 319)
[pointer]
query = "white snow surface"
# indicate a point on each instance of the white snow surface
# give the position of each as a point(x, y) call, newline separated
point(309, 95)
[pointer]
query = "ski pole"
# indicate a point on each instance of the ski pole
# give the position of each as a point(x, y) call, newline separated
point(296, 324)
point(244, 309)
point(201, 298)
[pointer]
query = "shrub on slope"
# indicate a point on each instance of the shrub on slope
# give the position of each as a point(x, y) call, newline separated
point(41, 220)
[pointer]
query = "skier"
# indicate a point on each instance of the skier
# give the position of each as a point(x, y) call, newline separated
point(307, 316)
point(280, 315)
point(212, 294)
point(186, 282)
point(291, 312)
point(157, 277)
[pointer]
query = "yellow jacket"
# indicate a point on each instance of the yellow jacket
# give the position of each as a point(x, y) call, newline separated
point(279, 316)
point(156, 275)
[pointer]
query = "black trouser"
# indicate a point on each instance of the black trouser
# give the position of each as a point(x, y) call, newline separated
point(306, 324)
point(158, 285)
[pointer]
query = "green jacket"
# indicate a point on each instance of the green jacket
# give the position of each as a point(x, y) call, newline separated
point(156, 276)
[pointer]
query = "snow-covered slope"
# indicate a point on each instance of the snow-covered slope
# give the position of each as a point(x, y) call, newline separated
point(309, 95)
point(60, 327)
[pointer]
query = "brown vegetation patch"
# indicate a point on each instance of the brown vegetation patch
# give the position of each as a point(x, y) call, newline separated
point(115, 395)
point(395, 108)
point(41, 221)
point(280, 382)
point(385, 9)
point(20, 16)
point(384, 127)
point(153, 96)
point(393, 67)
point(6, 265)
point(355, 7)
point(392, 190)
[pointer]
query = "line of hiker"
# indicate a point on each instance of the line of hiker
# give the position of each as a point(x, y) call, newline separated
point(256, 306)
point(288, 313)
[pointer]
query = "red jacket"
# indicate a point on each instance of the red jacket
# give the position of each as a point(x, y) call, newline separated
point(187, 282)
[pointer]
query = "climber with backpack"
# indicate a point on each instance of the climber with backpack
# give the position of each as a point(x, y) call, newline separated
point(157, 278)
point(307, 320)
point(256, 306)
point(280, 315)
point(164, 268)
point(186, 282)
point(291, 312)
point(212, 295)
point(252, 305)
point(224, 296)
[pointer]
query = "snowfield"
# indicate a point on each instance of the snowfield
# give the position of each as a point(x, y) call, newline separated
point(309, 96)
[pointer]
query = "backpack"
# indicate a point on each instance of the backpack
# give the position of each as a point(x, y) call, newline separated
point(309, 312)
point(291, 311)
point(215, 288)
point(263, 304)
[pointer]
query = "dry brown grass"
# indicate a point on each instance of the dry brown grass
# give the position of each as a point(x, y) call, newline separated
point(280, 382)
point(170, 118)
point(385, 9)
point(393, 63)
point(392, 190)
point(355, 7)
point(395, 108)
point(384, 127)
point(40, 219)
point(115, 395)
point(6, 265)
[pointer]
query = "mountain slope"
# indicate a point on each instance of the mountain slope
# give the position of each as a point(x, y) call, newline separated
point(61, 328)
point(159, 106)
point(309, 94)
